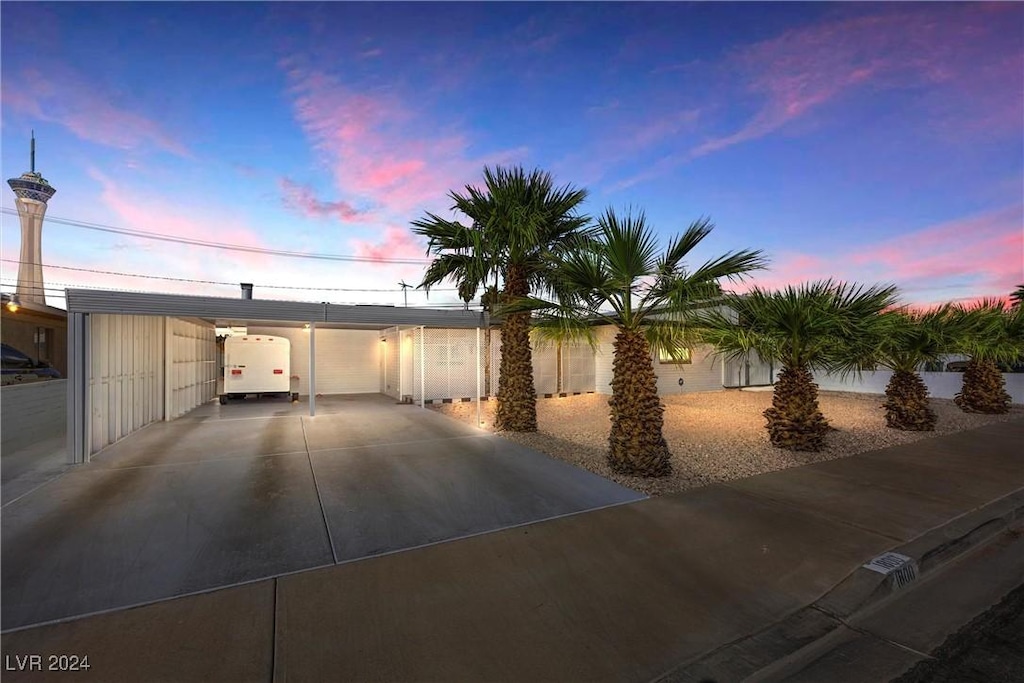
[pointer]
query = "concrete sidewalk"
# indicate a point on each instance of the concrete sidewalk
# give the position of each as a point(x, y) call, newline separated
point(628, 593)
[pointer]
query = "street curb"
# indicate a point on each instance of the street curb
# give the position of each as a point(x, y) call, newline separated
point(761, 654)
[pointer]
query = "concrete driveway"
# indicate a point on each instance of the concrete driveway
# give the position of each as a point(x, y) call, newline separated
point(232, 494)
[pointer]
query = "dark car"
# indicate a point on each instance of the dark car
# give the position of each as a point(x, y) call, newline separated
point(18, 367)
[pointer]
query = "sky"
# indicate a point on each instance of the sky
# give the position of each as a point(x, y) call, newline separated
point(864, 142)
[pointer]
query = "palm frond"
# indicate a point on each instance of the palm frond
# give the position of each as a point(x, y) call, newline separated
point(820, 325)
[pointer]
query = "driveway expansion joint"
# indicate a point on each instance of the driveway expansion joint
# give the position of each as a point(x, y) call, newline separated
point(319, 498)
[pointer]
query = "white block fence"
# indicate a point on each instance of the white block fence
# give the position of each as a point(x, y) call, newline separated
point(940, 384)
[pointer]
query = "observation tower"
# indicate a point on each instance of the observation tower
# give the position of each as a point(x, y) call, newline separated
point(33, 192)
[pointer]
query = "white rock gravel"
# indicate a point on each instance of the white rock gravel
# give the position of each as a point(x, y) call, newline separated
point(716, 436)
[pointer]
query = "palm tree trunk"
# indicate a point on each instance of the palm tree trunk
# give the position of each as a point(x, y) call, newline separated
point(636, 443)
point(906, 404)
point(794, 421)
point(984, 389)
point(517, 399)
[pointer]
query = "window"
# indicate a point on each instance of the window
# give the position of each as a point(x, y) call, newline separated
point(43, 341)
point(685, 357)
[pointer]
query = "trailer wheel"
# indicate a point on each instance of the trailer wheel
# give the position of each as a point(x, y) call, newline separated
point(223, 399)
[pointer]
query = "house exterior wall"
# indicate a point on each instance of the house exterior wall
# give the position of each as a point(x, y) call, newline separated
point(748, 372)
point(20, 330)
point(450, 364)
point(704, 373)
point(347, 361)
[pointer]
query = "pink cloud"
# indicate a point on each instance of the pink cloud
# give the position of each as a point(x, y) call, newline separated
point(69, 98)
point(987, 248)
point(302, 199)
point(381, 149)
point(967, 258)
point(398, 243)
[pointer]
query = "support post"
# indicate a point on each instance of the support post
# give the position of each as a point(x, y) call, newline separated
point(478, 377)
point(170, 409)
point(79, 367)
point(312, 368)
point(423, 372)
point(383, 363)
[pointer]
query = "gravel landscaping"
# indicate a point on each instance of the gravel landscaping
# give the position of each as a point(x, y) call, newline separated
point(716, 436)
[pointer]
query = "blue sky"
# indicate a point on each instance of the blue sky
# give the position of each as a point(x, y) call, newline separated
point(869, 142)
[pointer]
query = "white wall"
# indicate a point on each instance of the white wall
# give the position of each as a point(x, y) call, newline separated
point(704, 373)
point(940, 384)
point(126, 375)
point(191, 366)
point(347, 361)
point(750, 371)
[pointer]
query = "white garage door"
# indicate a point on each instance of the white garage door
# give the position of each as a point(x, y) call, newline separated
point(347, 361)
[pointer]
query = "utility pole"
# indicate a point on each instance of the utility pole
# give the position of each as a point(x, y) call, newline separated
point(405, 293)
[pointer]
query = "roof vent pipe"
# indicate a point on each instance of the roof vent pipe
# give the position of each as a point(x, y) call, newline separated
point(246, 290)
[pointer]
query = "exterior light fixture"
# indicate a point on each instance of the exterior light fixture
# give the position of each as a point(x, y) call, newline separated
point(13, 304)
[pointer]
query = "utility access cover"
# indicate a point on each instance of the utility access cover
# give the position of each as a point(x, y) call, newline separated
point(902, 568)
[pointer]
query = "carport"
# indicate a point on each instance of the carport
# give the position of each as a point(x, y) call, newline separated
point(137, 358)
point(224, 495)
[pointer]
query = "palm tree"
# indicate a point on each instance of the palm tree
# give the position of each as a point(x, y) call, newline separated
point(908, 339)
point(814, 326)
point(518, 220)
point(616, 275)
point(989, 333)
point(1017, 296)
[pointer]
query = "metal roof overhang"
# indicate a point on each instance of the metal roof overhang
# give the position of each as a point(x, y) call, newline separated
point(266, 310)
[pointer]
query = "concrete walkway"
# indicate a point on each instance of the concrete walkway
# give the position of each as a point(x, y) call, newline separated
point(628, 593)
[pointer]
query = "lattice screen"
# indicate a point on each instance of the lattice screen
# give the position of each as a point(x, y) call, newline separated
point(578, 368)
point(449, 364)
point(545, 367)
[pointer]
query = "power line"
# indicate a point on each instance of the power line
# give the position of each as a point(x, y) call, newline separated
point(222, 245)
point(210, 282)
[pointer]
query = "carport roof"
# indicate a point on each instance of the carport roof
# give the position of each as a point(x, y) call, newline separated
point(219, 308)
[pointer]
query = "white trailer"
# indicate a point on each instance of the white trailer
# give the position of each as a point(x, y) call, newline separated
point(256, 364)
